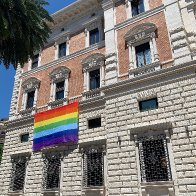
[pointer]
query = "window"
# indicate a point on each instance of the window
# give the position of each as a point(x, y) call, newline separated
point(149, 104)
point(18, 173)
point(137, 7)
point(143, 54)
point(94, 123)
point(24, 137)
point(94, 79)
point(52, 166)
point(93, 167)
point(35, 61)
point(62, 49)
point(30, 99)
point(94, 36)
point(154, 159)
point(60, 90)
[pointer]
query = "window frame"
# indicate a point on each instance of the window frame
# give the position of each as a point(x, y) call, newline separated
point(59, 50)
point(27, 99)
point(58, 75)
point(63, 38)
point(46, 156)
point(144, 177)
point(89, 149)
point(14, 160)
point(95, 78)
point(57, 90)
point(148, 99)
point(129, 8)
point(24, 134)
point(91, 119)
point(29, 85)
point(95, 23)
point(95, 36)
point(38, 62)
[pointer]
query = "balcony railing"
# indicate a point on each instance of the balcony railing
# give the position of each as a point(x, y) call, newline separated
point(91, 94)
point(145, 69)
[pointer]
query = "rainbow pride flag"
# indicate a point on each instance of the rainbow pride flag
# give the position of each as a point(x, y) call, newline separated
point(56, 126)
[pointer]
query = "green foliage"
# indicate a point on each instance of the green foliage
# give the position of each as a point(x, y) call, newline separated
point(23, 30)
point(1, 152)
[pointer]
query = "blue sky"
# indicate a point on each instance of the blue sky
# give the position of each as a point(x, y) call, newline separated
point(7, 76)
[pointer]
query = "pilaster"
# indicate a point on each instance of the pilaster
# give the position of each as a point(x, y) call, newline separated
point(177, 32)
point(15, 95)
point(110, 45)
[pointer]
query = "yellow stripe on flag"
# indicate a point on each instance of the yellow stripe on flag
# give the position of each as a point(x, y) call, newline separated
point(56, 119)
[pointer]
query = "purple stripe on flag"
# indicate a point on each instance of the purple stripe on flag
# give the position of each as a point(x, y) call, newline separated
point(58, 140)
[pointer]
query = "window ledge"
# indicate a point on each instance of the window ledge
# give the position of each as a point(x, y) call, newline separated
point(95, 190)
point(28, 111)
point(157, 184)
point(57, 103)
point(16, 192)
point(145, 69)
point(56, 190)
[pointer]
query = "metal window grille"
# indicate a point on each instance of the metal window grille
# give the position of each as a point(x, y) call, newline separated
point(18, 173)
point(154, 159)
point(52, 167)
point(93, 167)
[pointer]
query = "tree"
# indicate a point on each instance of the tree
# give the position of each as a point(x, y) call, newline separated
point(23, 30)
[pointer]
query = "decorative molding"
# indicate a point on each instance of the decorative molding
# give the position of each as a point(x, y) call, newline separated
point(146, 94)
point(92, 61)
point(58, 102)
point(60, 73)
point(140, 32)
point(64, 59)
point(31, 83)
point(145, 69)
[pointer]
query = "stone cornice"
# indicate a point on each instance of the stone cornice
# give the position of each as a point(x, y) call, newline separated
point(73, 10)
point(24, 121)
point(64, 59)
point(153, 76)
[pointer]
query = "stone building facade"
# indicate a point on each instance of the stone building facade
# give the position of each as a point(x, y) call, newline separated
point(131, 64)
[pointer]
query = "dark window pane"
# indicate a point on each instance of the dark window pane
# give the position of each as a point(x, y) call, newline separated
point(143, 54)
point(94, 123)
point(24, 137)
point(35, 61)
point(62, 49)
point(60, 90)
point(18, 178)
point(94, 36)
point(148, 104)
point(137, 7)
point(30, 99)
point(94, 79)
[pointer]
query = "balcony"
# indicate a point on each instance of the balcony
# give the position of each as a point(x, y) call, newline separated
point(145, 69)
point(95, 93)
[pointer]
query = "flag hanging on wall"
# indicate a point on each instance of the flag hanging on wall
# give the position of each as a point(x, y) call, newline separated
point(56, 126)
